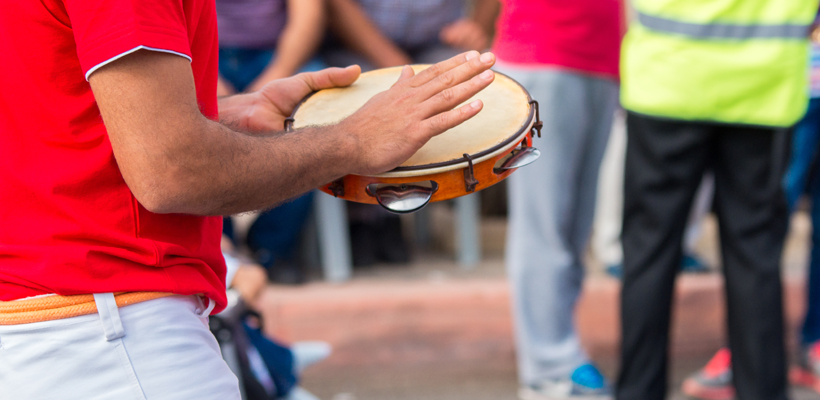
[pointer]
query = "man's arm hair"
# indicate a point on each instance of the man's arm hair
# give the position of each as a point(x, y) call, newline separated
point(175, 160)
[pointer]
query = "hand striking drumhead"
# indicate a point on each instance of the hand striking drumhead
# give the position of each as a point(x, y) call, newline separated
point(505, 114)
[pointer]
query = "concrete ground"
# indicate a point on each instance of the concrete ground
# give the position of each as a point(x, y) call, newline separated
point(433, 330)
point(464, 381)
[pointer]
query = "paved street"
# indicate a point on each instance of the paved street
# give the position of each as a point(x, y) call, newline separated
point(434, 331)
point(473, 381)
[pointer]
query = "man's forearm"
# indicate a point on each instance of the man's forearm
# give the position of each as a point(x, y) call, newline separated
point(175, 160)
point(222, 171)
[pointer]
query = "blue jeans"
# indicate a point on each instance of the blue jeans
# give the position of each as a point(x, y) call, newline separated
point(273, 236)
point(277, 358)
point(803, 176)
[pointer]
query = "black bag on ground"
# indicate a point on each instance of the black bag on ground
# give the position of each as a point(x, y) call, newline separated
point(235, 332)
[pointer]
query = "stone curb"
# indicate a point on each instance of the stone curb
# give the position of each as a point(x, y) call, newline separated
point(381, 322)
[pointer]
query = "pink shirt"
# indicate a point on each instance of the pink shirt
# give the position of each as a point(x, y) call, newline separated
point(581, 35)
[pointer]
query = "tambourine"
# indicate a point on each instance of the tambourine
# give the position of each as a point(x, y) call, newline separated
point(470, 157)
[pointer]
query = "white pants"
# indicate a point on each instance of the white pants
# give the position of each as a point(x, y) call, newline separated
point(158, 349)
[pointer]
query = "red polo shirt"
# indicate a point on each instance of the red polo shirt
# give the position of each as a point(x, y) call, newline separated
point(68, 222)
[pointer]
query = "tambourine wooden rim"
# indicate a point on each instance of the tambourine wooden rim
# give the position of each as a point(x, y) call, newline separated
point(482, 169)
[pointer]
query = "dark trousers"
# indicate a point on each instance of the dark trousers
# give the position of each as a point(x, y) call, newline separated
point(665, 161)
point(803, 176)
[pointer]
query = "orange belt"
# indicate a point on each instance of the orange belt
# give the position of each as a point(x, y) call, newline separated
point(49, 308)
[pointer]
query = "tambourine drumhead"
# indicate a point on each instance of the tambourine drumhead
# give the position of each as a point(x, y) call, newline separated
point(505, 116)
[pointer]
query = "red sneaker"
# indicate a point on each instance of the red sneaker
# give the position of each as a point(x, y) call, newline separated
point(807, 372)
point(714, 381)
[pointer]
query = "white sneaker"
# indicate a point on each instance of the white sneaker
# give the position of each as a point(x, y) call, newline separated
point(560, 391)
point(298, 393)
point(308, 353)
point(585, 383)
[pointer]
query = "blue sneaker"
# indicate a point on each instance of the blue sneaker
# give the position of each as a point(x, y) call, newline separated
point(585, 383)
point(691, 264)
point(615, 270)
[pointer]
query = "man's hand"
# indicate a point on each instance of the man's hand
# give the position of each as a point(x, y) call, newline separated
point(266, 109)
point(406, 116)
point(175, 160)
point(394, 124)
point(264, 79)
point(465, 34)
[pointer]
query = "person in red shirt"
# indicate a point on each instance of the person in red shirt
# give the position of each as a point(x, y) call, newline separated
point(117, 160)
point(566, 54)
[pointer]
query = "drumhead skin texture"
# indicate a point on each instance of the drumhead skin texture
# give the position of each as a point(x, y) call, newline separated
point(506, 113)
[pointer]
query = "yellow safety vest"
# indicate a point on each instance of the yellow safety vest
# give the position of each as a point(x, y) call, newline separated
point(733, 61)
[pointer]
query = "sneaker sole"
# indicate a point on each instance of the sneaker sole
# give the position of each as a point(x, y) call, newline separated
point(694, 389)
point(802, 377)
point(529, 394)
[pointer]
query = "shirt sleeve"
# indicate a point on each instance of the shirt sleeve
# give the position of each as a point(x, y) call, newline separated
point(105, 30)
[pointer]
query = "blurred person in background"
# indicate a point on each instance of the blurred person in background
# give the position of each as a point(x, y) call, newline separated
point(387, 33)
point(261, 41)
point(275, 367)
point(264, 40)
point(710, 86)
point(606, 230)
point(566, 55)
point(714, 381)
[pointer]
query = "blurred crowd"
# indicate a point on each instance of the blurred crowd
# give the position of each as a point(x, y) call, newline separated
point(691, 107)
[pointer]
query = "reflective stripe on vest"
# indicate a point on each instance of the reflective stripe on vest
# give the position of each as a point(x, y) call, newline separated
point(724, 31)
point(729, 61)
